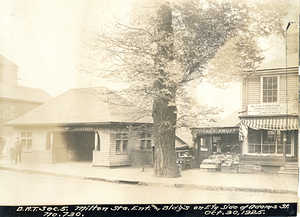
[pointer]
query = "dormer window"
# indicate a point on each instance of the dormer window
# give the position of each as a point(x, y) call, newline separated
point(270, 89)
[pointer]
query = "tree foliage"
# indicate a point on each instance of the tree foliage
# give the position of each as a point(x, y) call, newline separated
point(212, 39)
point(172, 45)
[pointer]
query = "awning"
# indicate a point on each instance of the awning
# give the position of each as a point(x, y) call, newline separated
point(283, 123)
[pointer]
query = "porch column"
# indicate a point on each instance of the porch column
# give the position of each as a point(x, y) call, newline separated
point(196, 148)
point(210, 145)
point(96, 141)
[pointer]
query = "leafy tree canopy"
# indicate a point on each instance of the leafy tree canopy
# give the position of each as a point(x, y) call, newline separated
point(212, 39)
point(171, 45)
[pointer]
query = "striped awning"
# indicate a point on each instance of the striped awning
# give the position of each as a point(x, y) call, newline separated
point(282, 123)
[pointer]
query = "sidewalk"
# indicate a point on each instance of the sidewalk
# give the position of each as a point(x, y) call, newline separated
point(189, 178)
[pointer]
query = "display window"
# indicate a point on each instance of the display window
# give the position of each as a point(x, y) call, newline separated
point(268, 142)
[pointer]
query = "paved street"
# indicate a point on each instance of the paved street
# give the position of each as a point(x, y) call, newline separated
point(38, 189)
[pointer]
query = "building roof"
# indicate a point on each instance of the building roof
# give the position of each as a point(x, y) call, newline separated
point(180, 140)
point(83, 105)
point(23, 93)
point(280, 63)
point(231, 120)
point(6, 61)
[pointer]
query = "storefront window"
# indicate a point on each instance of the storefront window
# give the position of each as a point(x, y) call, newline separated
point(268, 142)
point(254, 141)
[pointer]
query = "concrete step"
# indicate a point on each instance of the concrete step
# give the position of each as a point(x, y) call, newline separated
point(292, 163)
point(289, 169)
point(287, 173)
point(291, 166)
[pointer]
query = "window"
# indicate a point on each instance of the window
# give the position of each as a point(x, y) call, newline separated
point(146, 141)
point(26, 140)
point(268, 142)
point(270, 89)
point(204, 143)
point(122, 142)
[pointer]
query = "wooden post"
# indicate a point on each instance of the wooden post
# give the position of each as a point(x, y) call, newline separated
point(196, 149)
point(284, 145)
point(211, 145)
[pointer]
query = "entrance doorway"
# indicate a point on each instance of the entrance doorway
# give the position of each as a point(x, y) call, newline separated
point(73, 146)
point(84, 144)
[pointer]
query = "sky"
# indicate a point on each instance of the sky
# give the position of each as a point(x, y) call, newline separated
point(46, 40)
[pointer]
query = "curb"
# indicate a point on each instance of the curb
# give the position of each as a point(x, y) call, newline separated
point(157, 184)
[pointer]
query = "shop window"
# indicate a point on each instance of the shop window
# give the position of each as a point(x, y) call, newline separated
point(26, 140)
point(270, 89)
point(146, 141)
point(122, 142)
point(268, 142)
point(204, 143)
point(254, 140)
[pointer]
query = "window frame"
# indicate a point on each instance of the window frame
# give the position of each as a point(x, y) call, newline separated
point(26, 140)
point(261, 88)
point(145, 140)
point(277, 144)
point(122, 142)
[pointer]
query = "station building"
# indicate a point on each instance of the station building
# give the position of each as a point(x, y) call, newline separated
point(86, 124)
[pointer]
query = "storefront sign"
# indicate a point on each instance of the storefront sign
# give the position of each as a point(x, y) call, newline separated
point(61, 129)
point(215, 131)
point(73, 129)
point(267, 109)
point(82, 128)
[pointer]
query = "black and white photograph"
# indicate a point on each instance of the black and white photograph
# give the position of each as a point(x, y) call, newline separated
point(149, 107)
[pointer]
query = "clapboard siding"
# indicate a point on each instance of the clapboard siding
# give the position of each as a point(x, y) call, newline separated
point(244, 98)
point(293, 94)
point(253, 92)
point(288, 91)
point(282, 88)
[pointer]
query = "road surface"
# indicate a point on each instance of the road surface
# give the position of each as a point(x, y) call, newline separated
point(17, 188)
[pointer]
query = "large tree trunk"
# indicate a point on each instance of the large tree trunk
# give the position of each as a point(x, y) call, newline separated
point(164, 118)
point(164, 115)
